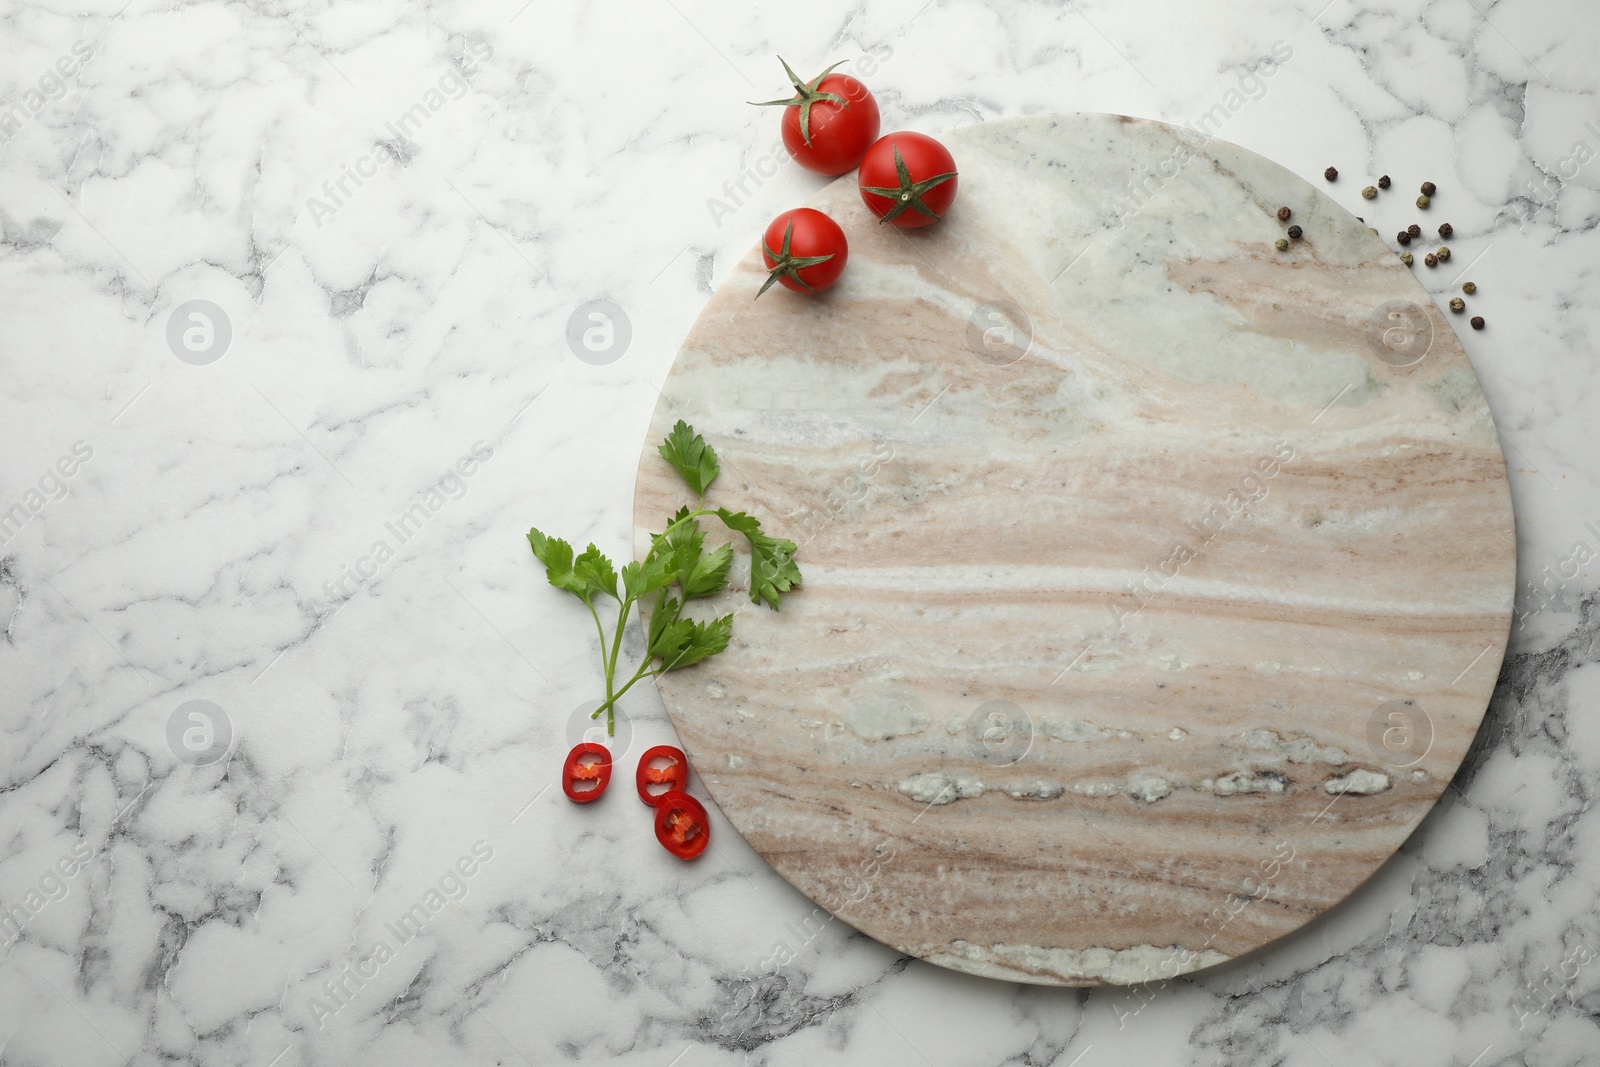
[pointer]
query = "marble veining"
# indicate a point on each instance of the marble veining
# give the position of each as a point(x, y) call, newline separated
point(604, 151)
point(1130, 473)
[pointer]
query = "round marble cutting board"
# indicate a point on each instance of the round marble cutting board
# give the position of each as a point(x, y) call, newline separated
point(1156, 581)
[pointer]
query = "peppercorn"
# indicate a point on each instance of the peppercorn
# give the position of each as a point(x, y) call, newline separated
point(1330, 174)
point(1443, 253)
point(1407, 258)
point(1370, 193)
point(1414, 230)
point(1423, 202)
point(1457, 304)
point(1281, 244)
point(1469, 287)
point(1283, 214)
point(1431, 260)
point(1295, 232)
point(1383, 182)
point(1403, 237)
point(1445, 230)
point(1428, 188)
point(1477, 322)
point(1374, 230)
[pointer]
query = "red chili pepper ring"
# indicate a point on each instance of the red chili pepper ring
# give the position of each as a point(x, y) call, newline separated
point(675, 775)
point(577, 769)
point(681, 825)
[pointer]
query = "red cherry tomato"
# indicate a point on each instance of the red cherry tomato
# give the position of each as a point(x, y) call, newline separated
point(577, 769)
point(675, 775)
point(908, 180)
point(681, 825)
point(829, 123)
point(805, 250)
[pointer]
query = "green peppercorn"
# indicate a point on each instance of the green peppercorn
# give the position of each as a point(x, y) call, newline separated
point(1423, 202)
point(1281, 244)
point(1330, 174)
point(1295, 232)
point(1403, 237)
point(1407, 258)
point(1414, 230)
point(1370, 193)
point(1445, 230)
point(1283, 214)
point(1469, 287)
point(1443, 253)
point(1428, 188)
point(1457, 304)
point(1383, 182)
point(1477, 322)
point(1431, 260)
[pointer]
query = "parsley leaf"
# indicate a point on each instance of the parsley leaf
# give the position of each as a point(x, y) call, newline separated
point(693, 459)
point(772, 566)
point(595, 571)
point(556, 555)
point(639, 580)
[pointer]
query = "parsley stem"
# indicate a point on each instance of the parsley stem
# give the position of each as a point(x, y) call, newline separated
point(607, 668)
point(642, 672)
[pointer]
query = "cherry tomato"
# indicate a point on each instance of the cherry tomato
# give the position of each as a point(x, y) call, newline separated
point(829, 123)
point(805, 250)
point(675, 775)
point(577, 769)
point(908, 180)
point(681, 825)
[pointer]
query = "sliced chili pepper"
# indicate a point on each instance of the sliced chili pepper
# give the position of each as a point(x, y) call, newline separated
point(576, 770)
point(681, 825)
point(675, 775)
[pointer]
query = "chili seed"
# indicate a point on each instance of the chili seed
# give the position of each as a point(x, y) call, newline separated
point(1431, 260)
point(1443, 253)
point(1383, 182)
point(1477, 322)
point(1423, 201)
point(1403, 237)
point(1295, 232)
point(1283, 214)
point(1428, 188)
point(1469, 287)
point(1331, 173)
point(1414, 230)
point(1407, 258)
point(1281, 244)
point(1445, 230)
point(1457, 304)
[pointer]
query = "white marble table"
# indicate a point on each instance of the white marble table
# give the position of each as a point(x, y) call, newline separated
point(217, 536)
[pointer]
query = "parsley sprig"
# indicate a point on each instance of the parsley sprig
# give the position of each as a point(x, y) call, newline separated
point(676, 570)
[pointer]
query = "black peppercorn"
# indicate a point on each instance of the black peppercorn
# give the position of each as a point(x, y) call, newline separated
point(1469, 287)
point(1383, 182)
point(1283, 214)
point(1477, 322)
point(1330, 174)
point(1403, 237)
point(1414, 230)
point(1431, 260)
point(1295, 232)
point(1428, 188)
point(1445, 229)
